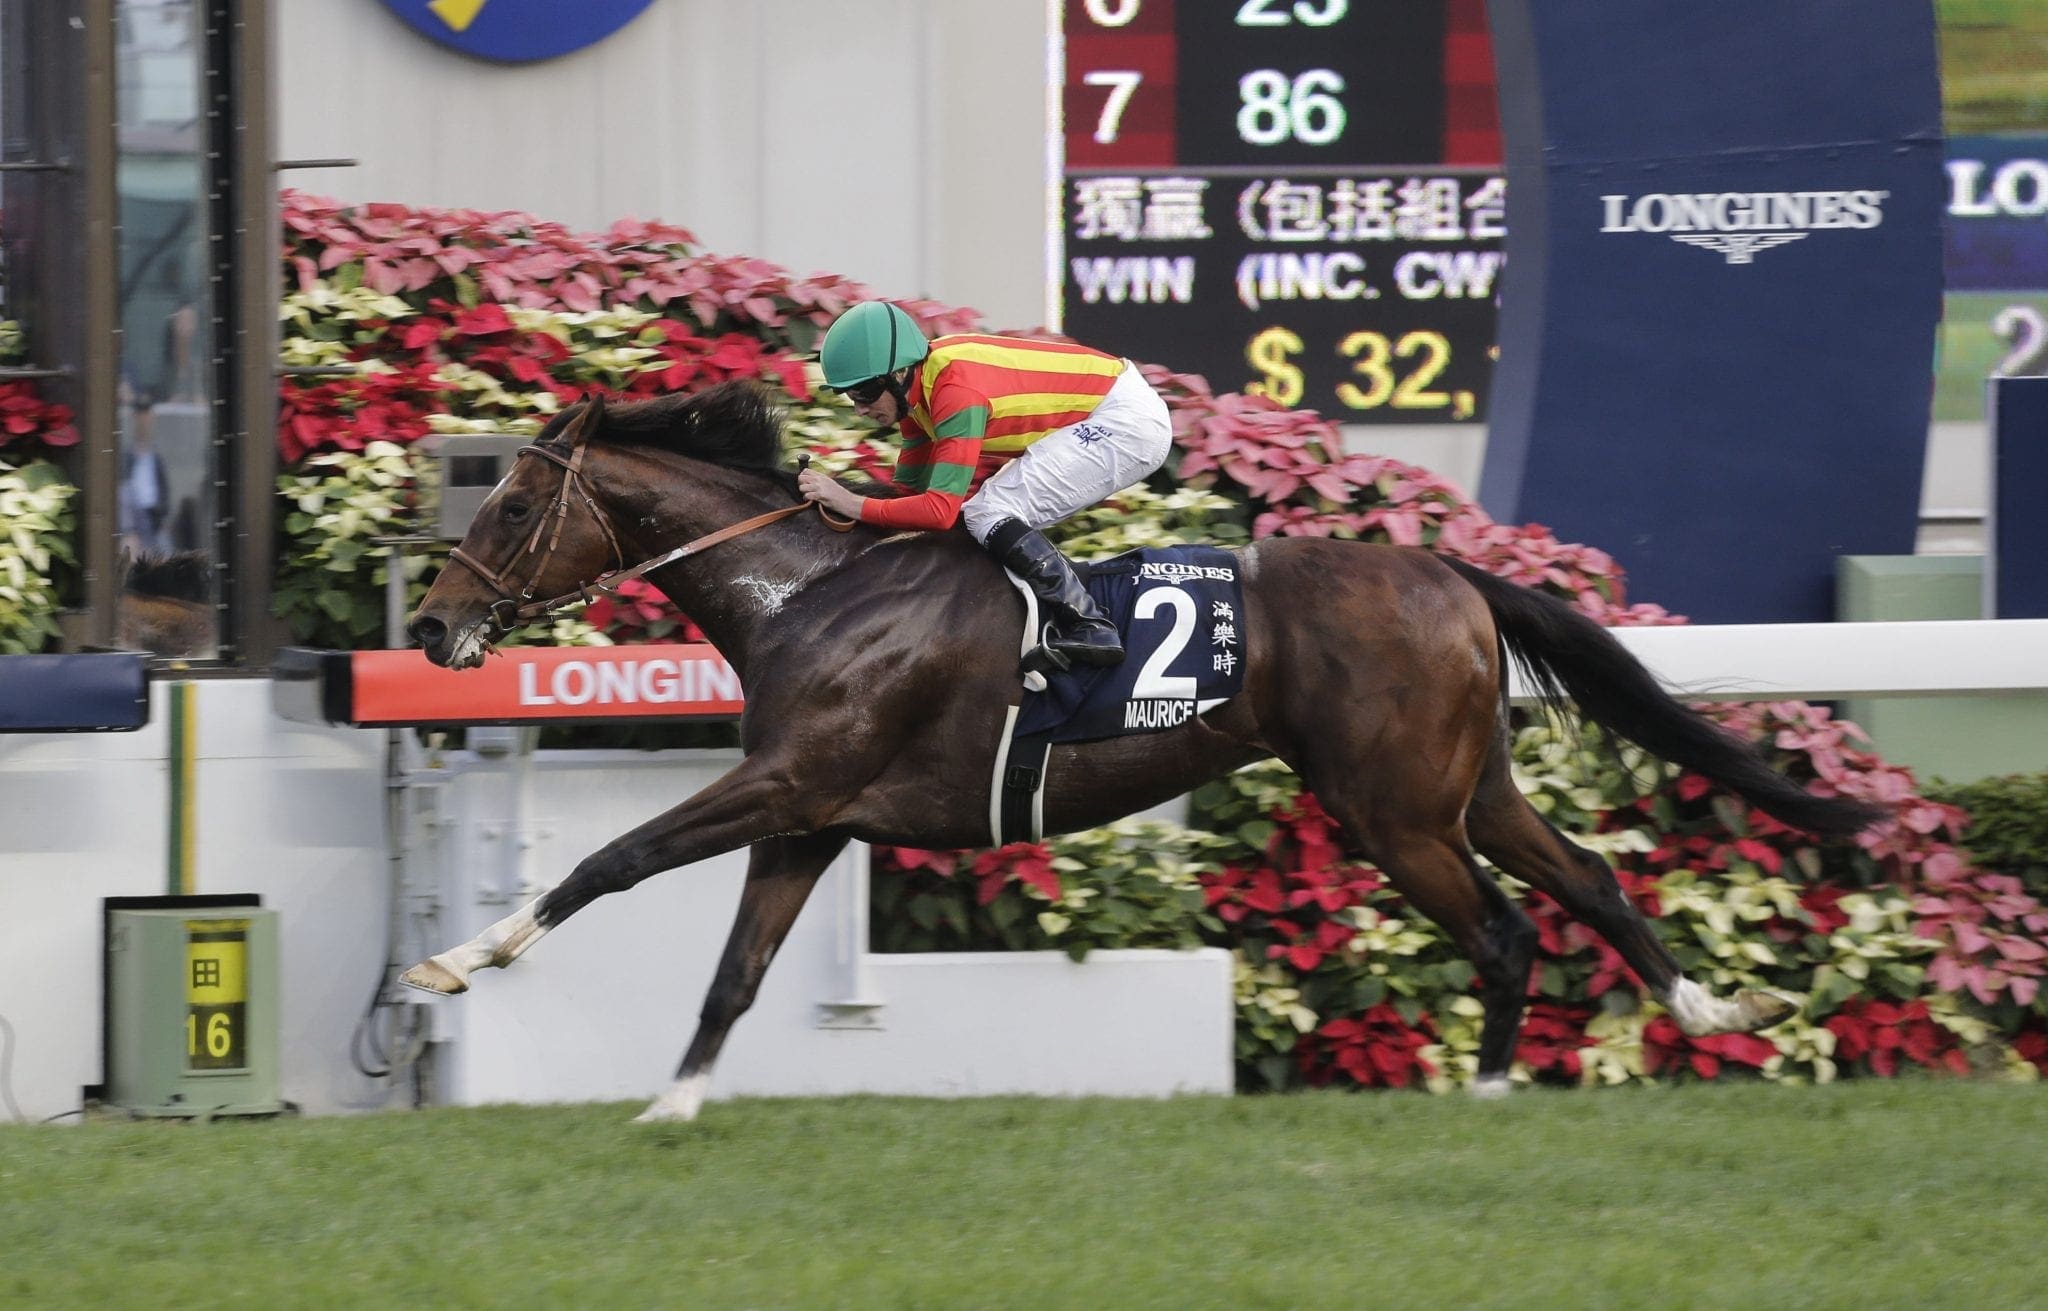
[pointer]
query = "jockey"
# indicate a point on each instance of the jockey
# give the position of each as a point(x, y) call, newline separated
point(1005, 434)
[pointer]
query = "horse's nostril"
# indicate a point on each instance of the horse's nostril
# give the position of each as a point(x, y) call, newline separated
point(427, 630)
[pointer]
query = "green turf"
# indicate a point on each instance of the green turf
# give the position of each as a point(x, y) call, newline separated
point(1872, 1194)
point(1992, 52)
point(1970, 351)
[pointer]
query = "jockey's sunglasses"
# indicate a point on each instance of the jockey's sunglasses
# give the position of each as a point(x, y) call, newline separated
point(867, 393)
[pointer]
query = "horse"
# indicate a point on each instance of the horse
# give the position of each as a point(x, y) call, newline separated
point(878, 667)
point(166, 604)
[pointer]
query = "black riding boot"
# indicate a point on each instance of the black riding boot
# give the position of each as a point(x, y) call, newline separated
point(1080, 632)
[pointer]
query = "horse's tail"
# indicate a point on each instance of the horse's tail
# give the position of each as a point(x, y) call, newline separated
point(1566, 656)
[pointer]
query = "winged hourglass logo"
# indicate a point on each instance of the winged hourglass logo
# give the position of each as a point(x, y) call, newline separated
point(1739, 247)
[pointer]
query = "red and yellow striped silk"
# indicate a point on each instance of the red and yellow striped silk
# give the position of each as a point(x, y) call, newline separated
point(976, 403)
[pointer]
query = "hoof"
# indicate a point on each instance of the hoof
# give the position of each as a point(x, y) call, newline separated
point(1490, 1088)
point(659, 1114)
point(1763, 1009)
point(679, 1103)
point(432, 976)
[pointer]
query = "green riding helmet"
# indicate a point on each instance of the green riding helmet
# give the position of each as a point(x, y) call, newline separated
point(869, 340)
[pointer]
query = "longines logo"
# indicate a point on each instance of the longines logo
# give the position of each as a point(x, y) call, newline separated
point(1738, 224)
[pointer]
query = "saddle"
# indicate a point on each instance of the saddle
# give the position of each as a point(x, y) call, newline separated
point(1178, 610)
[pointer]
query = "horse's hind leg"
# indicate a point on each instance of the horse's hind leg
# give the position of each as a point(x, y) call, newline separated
point(1438, 876)
point(1507, 830)
point(1429, 863)
point(780, 875)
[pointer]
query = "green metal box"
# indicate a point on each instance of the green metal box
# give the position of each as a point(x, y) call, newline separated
point(192, 1011)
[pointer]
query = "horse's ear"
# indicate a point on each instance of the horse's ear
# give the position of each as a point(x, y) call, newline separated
point(586, 423)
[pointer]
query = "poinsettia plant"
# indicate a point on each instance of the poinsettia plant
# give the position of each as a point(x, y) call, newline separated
point(1907, 953)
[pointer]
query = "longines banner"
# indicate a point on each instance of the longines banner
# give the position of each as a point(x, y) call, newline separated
point(1723, 279)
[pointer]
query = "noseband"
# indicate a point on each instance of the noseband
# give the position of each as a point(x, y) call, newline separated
point(513, 608)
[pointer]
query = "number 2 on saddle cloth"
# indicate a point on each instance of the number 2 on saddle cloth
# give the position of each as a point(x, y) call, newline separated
point(1179, 610)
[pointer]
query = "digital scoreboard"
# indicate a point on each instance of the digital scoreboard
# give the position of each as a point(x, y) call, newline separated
point(1296, 197)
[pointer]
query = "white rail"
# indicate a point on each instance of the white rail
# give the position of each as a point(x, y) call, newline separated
point(1827, 662)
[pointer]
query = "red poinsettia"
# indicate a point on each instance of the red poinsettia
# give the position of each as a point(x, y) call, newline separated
point(27, 418)
point(1667, 1048)
point(1552, 1037)
point(1026, 862)
point(2032, 1046)
point(639, 612)
point(349, 413)
point(1880, 1033)
point(1377, 1049)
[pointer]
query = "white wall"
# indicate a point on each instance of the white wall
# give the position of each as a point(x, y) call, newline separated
point(598, 1010)
point(289, 812)
point(897, 142)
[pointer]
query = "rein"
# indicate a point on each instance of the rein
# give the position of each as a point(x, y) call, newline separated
point(513, 609)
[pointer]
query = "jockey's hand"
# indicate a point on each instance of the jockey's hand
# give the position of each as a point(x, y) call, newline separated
point(818, 487)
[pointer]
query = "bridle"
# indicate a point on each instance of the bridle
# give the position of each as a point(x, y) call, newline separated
point(516, 607)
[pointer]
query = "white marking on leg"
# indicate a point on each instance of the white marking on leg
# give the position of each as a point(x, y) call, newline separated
point(1491, 1087)
point(499, 945)
point(680, 1102)
point(1700, 1012)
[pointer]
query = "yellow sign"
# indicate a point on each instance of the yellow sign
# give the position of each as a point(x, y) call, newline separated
point(216, 993)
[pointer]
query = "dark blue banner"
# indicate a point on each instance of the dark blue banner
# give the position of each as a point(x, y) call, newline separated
point(1997, 213)
point(2016, 566)
point(103, 692)
point(1724, 275)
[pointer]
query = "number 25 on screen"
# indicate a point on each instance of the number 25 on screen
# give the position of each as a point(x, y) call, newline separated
point(1252, 13)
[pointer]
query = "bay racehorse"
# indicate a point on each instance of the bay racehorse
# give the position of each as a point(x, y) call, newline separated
point(877, 668)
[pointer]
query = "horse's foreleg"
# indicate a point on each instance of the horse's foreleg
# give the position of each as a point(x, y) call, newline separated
point(754, 800)
point(780, 877)
point(498, 945)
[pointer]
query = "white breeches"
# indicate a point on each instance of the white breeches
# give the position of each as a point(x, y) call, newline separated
point(1071, 468)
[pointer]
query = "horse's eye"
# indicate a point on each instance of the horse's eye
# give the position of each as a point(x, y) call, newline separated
point(516, 511)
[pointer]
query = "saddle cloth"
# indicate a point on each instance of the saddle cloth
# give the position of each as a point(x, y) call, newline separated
point(1179, 610)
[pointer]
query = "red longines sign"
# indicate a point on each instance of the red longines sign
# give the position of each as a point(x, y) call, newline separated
point(545, 684)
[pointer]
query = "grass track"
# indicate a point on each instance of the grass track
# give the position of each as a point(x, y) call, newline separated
point(1908, 1193)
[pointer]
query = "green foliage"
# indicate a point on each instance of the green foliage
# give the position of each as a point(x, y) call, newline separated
point(1141, 517)
point(331, 579)
point(36, 526)
point(1135, 883)
point(1241, 805)
point(2008, 828)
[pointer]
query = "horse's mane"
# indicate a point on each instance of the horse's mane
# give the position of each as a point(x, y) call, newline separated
point(733, 423)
